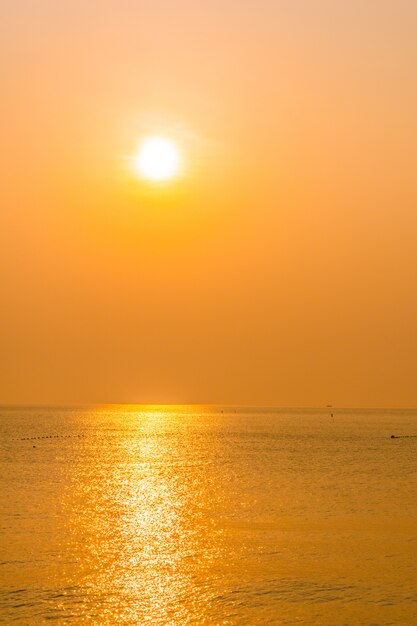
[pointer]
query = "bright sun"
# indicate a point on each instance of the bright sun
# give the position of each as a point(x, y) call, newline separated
point(157, 159)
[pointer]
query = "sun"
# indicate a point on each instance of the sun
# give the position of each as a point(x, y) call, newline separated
point(157, 159)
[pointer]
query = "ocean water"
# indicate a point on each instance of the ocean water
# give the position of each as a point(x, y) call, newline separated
point(208, 515)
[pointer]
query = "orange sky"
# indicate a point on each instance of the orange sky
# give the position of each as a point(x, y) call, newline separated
point(281, 268)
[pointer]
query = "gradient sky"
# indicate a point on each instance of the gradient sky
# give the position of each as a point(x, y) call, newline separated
point(280, 269)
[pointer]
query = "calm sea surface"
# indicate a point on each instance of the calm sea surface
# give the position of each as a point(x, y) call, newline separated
point(208, 515)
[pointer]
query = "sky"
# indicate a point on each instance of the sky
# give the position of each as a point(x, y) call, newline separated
point(279, 267)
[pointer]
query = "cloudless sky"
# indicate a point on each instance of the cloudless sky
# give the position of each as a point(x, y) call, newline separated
point(280, 268)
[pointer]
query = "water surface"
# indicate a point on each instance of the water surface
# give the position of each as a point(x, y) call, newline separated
point(208, 515)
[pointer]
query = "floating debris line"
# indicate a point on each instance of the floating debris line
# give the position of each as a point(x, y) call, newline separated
point(50, 437)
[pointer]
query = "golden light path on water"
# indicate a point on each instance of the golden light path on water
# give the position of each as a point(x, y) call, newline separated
point(150, 538)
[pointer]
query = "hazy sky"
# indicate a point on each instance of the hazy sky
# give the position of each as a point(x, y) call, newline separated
point(281, 268)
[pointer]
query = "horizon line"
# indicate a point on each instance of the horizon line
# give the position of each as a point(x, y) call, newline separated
point(207, 404)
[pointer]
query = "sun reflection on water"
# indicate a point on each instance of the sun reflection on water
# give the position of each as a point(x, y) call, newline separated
point(146, 536)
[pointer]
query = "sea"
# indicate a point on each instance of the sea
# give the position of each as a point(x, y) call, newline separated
point(208, 515)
